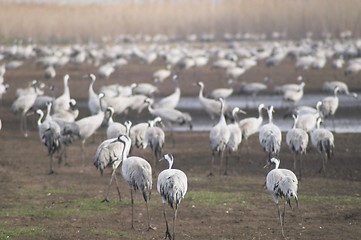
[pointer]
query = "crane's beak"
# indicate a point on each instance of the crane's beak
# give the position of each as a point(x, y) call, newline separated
point(161, 159)
point(241, 111)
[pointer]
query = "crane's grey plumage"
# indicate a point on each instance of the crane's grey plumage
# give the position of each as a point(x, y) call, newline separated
point(172, 186)
point(211, 106)
point(137, 132)
point(307, 121)
point(137, 172)
point(170, 115)
point(219, 136)
point(270, 136)
point(155, 138)
point(49, 132)
point(62, 102)
point(323, 140)
point(88, 126)
point(329, 106)
point(235, 137)
point(343, 88)
point(170, 101)
point(93, 101)
point(282, 183)
point(114, 129)
point(252, 88)
point(23, 103)
point(251, 125)
point(297, 141)
point(111, 152)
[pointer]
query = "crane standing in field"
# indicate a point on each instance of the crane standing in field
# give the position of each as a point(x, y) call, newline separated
point(235, 137)
point(251, 125)
point(111, 152)
point(270, 137)
point(219, 136)
point(329, 106)
point(172, 185)
point(282, 183)
point(49, 132)
point(23, 103)
point(323, 140)
point(137, 172)
point(297, 141)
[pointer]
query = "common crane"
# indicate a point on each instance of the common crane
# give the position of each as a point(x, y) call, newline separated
point(172, 186)
point(282, 183)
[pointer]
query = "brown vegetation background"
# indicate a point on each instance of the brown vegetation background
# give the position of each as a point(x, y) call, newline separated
point(81, 21)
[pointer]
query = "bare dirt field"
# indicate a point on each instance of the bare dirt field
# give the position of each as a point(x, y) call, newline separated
point(67, 204)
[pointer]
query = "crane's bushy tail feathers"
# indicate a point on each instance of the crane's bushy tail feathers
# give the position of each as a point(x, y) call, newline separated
point(51, 140)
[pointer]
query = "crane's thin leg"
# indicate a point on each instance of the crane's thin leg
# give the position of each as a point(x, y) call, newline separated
point(221, 163)
point(300, 166)
point(225, 171)
point(118, 189)
point(212, 161)
point(110, 183)
point(132, 201)
point(149, 226)
point(82, 152)
point(51, 164)
point(167, 234)
point(174, 220)
point(294, 162)
point(281, 215)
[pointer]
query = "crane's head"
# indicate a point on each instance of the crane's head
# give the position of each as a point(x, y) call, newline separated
point(201, 84)
point(169, 158)
point(66, 77)
point(127, 143)
point(261, 106)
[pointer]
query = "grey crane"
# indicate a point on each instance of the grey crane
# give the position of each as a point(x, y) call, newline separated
point(343, 88)
point(137, 132)
point(252, 89)
point(49, 132)
point(88, 126)
point(62, 102)
point(270, 136)
point(282, 183)
point(68, 115)
point(251, 125)
point(170, 115)
point(111, 152)
point(219, 136)
point(222, 92)
point(137, 172)
point(93, 101)
point(172, 186)
point(323, 140)
point(330, 105)
point(155, 138)
point(170, 101)
point(114, 129)
point(211, 106)
point(23, 104)
point(294, 95)
point(235, 137)
point(297, 141)
point(307, 119)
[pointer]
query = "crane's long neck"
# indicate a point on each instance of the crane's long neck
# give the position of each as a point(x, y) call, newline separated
point(201, 91)
point(270, 116)
point(170, 163)
point(276, 162)
point(91, 90)
point(66, 88)
point(41, 115)
point(260, 117)
point(295, 121)
point(150, 109)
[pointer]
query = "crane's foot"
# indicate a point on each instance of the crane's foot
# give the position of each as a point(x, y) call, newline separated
point(167, 235)
point(51, 172)
point(151, 228)
point(210, 174)
point(105, 200)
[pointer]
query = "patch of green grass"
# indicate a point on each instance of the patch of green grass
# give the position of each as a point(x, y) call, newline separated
point(345, 200)
point(12, 232)
point(80, 207)
point(111, 233)
point(216, 198)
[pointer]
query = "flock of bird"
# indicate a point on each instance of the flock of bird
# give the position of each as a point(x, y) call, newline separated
point(59, 126)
